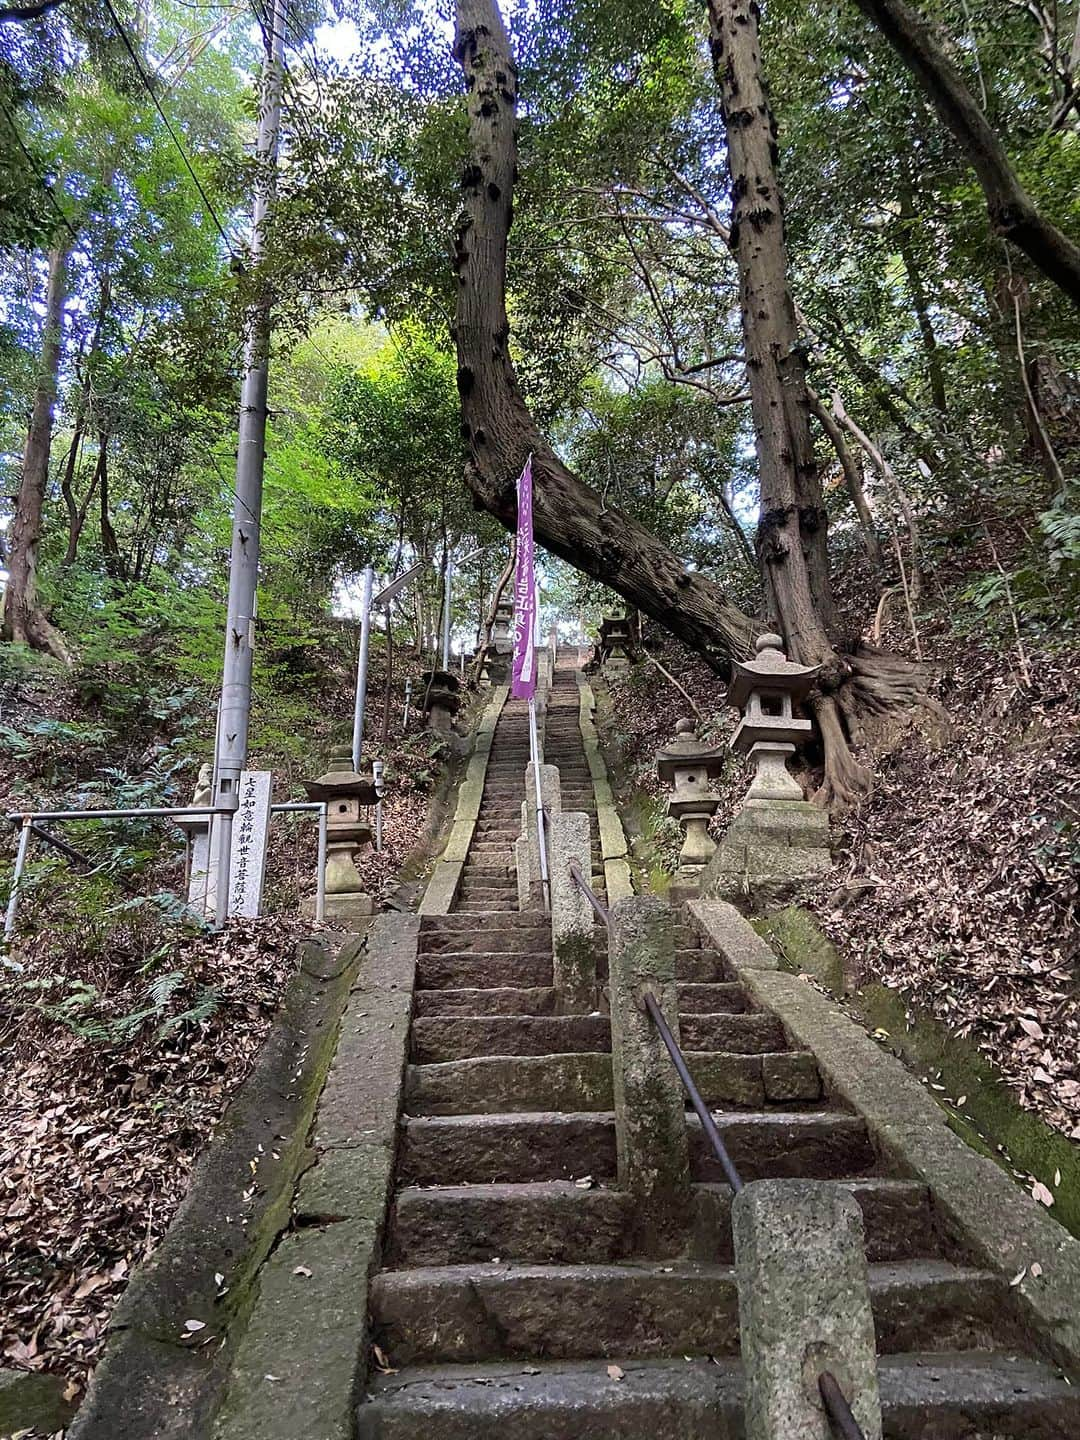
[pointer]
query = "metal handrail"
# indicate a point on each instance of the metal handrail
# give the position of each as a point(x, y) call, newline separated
point(708, 1124)
point(837, 1407)
point(832, 1397)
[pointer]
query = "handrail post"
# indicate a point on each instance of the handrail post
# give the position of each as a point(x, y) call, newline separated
point(804, 1310)
point(573, 932)
point(650, 1120)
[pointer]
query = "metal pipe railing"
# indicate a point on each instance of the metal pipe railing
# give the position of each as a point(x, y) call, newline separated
point(25, 821)
point(708, 1124)
point(832, 1397)
point(837, 1407)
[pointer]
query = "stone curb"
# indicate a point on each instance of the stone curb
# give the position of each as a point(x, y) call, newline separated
point(302, 1362)
point(442, 887)
point(613, 847)
point(156, 1378)
point(979, 1207)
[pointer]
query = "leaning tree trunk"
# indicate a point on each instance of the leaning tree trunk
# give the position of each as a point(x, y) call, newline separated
point(573, 521)
point(24, 620)
point(570, 519)
point(792, 531)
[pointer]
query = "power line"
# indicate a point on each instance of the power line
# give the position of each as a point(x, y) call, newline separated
point(172, 133)
point(37, 175)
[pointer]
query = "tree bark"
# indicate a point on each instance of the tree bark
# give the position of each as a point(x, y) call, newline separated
point(852, 478)
point(919, 300)
point(570, 519)
point(573, 521)
point(1012, 212)
point(24, 620)
point(793, 530)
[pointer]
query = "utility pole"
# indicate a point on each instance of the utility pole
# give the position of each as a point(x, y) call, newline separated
point(235, 706)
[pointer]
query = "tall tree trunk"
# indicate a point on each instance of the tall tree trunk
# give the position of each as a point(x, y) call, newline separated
point(570, 519)
point(852, 478)
point(921, 304)
point(792, 532)
point(77, 513)
point(24, 621)
point(110, 546)
point(1012, 212)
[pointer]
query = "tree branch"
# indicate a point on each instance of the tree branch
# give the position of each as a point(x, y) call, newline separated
point(1012, 212)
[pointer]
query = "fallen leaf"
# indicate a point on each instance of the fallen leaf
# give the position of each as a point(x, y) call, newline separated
point(192, 1326)
point(301, 1270)
point(1017, 1278)
point(615, 1372)
point(1042, 1194)
point(1036, 1270)
point(1031, 1027)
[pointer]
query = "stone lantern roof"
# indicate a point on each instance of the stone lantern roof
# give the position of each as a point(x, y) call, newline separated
point(341, 780)
point(615, 627)
point(688, 751)
point(771, 672)
point(767, 688)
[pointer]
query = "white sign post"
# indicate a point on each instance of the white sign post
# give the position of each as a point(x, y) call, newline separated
point(251, 823)
point(250, 826)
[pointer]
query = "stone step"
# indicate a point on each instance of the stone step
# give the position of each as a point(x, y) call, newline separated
point(468, 1149)
point(499, 1083)
point(754, 1081)
point(506, 1148)
point(458, 1037)
point(562, 1222)
point(504, 937)
point(441, 924)
point(539, 1222)
point(747, 1034)
point(784, 1144)
point(503, 1000)
point(486, 907)
point(700, 967)
point(924, 1396)
point(479, 970)
point(711, 999)
point(466, 1313)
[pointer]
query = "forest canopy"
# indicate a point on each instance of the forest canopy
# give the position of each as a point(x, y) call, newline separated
point(923, 204)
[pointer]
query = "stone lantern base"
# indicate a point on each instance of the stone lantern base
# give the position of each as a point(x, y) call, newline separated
point(769, 852)
point(357, 905)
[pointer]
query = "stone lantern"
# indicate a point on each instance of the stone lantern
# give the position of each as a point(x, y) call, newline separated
point(346, 791)
point(766, 689)
point(778, 840)
point(689, 766)
point(442, 699)
point(502, 631)
point(615, 645)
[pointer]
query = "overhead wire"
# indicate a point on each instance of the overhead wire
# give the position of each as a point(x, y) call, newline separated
point(148, 87)
point(48, 189)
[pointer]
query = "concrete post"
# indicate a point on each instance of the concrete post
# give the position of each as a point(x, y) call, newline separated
point(572, 922)
point(804, 1307)
point(552, 796)
point(650, 1117)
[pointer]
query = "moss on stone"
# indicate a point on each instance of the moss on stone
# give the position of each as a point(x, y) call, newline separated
point(803, 946)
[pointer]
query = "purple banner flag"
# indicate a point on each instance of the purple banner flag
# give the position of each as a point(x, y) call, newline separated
point(523, 675)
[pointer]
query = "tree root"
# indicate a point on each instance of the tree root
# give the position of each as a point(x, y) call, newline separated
point(883, 698)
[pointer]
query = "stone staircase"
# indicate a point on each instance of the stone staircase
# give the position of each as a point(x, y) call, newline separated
point(515, 1289)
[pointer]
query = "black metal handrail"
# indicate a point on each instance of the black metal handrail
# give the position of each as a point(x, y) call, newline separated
point(837, 1407)
point(708, 1124)
point(832, 1397)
